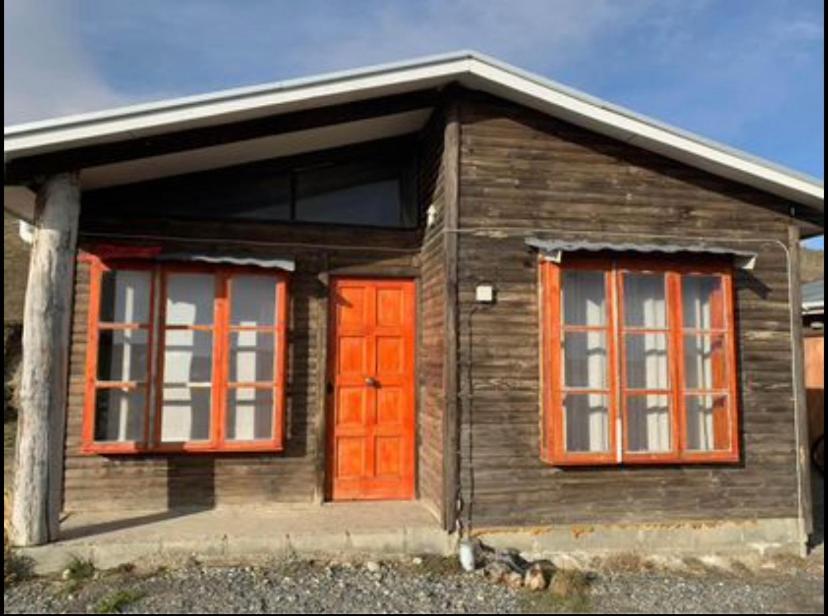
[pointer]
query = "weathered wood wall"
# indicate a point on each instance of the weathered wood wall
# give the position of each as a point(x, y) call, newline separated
point(432, 319)
point(523, 174)
point(150, 482)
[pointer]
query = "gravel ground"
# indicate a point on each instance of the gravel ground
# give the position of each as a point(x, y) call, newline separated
point(429, 587)
point(649, 593)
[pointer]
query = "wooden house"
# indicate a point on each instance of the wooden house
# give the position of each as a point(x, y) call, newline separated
point(446, 280)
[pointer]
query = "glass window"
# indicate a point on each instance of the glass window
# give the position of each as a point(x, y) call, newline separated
point(653, 384)
point(587, 423)
point(355, 193)
point(163, 386)
point(118, 378)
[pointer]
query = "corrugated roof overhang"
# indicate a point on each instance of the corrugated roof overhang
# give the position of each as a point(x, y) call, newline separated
point(555, 249)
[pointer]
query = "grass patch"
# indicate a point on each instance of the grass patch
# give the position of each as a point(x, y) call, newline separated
point(548, 603)
point(626, 562)
point(568, 593)
point(16, 568)
point(115, 602)
point(78, 570)
point(439, 565)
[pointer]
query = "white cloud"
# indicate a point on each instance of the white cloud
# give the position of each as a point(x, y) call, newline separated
point(45, 71)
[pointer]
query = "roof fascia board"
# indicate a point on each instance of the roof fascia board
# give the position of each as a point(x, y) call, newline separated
point(469, 68)
point(27, 140)
point(646, 134)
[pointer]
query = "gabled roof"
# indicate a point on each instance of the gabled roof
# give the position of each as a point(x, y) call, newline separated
point(468, 68)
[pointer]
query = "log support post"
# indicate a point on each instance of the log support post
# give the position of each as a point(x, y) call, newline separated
point(38, 471)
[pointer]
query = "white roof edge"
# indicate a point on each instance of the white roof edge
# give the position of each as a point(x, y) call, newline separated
point(541, 93)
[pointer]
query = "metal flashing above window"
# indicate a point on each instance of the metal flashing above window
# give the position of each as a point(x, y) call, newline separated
point(288, 265)
point(553, 250)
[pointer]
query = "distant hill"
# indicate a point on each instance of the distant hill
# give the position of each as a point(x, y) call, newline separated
point(15, 270)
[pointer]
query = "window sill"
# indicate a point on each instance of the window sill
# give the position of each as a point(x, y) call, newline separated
point(722, 458)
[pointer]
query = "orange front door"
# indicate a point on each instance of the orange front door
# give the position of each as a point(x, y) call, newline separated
point(371, 389)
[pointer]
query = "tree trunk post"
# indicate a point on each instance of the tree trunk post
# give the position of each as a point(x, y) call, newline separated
point(38, 471)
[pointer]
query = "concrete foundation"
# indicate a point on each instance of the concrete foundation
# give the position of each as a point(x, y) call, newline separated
point(697, 538)
point(378, 530)
point(244, 534)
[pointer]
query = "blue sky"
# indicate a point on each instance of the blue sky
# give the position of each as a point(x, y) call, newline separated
point(749, 73)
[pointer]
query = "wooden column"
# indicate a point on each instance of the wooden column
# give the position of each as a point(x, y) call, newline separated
point(38, 472)
point(803, 457)
point(451, 427)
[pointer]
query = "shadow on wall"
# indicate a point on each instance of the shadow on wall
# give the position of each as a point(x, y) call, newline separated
point(190, 490)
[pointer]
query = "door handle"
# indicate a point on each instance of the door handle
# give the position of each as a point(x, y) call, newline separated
point(371, 381)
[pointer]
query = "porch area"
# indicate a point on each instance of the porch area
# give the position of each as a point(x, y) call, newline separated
point(243, 534)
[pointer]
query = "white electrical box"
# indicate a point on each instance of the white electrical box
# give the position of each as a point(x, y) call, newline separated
point(484, 293)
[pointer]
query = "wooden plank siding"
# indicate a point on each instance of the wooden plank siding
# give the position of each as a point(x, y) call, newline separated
point(520, 174)
point(152, 482)
point(524, 174)
point(432, 319)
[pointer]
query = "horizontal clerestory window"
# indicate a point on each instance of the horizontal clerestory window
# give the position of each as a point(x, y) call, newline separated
point(639, 363)
point(184, 358)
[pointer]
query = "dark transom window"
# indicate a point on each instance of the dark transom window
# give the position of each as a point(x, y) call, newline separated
point(370, 186)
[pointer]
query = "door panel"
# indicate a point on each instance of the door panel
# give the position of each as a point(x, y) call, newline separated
point(371, 389)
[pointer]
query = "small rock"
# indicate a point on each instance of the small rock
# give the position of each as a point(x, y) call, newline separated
point(496, 572)
point(514, 580)
point(372, 566)
point(417, 561)
point(67, 573)
point(536, 577)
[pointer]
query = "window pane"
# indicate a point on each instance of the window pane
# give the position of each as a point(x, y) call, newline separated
point(648, 423)
point(185, 413)
point(248, 192)
point(376, 204)
point(704, 362)
point(708, 428)
point(357, 192)
point(188, 356)
point(122, 355)
point(586, 422)
point(251, 357)
point(119, 414)
point(644, 301)
point(584, 298)
point(646, 361)
point(125, 296)
point(249, 414)
point(585, 360)
point(253, 300)
point(190, 299)
point(703, 302)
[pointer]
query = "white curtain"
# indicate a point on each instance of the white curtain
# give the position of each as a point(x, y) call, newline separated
point(586, 422)
point(122, 356)
point(252, 357)
point(586, 418)
point(647, 363)
point(698, 293)
point(188, 357)
point(700, 433)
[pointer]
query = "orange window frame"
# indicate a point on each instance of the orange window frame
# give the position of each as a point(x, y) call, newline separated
point(220, 384)
point(553, 437)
